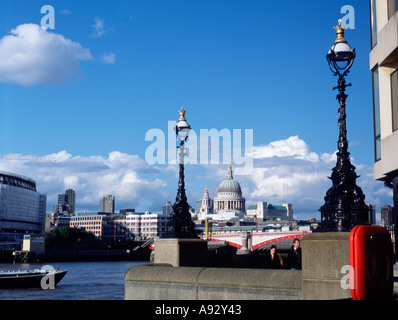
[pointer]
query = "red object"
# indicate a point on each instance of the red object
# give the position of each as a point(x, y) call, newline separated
point(371, 263)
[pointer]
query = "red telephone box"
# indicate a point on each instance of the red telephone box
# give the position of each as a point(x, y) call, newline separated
point(371, 261)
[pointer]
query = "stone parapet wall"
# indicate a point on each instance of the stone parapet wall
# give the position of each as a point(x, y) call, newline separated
point(164, 282)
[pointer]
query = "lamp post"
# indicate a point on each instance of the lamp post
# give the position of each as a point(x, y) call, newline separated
point(181, 225)
point(344, 205)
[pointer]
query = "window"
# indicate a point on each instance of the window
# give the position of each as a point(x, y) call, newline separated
point(373, 23)
point(392, 7)
point(376, 113)
point(394, 99)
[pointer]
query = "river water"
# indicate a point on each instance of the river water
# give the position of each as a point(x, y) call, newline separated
point(83, 281)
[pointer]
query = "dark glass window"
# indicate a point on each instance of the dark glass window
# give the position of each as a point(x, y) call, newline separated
point(376, 113)
point(392, 7)
point(373, 23)
point(394, 99)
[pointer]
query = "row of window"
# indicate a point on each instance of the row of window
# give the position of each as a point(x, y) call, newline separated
point(376, 108)
point(392, 6)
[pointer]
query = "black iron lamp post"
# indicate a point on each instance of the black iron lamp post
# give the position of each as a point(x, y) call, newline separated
point(181, 224)
point(344, 205)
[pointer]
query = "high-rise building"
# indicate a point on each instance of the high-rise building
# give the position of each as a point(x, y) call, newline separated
point(66, 203)
point(387, 216)
point(383, 60)
point(71, 200)
point(372, 214)
point(22, 208)
point(167, 209)
point(107, 204)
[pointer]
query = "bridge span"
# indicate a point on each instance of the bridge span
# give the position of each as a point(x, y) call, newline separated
point(256, 240)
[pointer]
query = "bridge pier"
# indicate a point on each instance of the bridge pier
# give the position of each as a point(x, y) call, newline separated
point(246, 243)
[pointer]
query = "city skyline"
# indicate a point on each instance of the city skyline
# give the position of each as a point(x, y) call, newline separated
point(111, 73)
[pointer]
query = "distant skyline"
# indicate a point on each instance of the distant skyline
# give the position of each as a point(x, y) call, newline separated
point(77, 101)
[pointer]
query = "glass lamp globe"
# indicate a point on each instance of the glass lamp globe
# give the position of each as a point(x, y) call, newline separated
point(340, 56)
point(182, 127)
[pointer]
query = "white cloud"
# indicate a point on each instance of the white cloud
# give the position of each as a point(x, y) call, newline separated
point(31, 55)
point(287, 171)
point(109, 58)
point(293, 146)
point(122, 175)
point(99, 28)
point(284, 171)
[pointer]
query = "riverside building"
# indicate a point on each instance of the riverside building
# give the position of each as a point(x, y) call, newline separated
point(22, 207)
point(383, 59)
point(129, 226)
point(102, 226)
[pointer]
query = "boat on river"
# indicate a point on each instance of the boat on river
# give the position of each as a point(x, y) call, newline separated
point(38, 278)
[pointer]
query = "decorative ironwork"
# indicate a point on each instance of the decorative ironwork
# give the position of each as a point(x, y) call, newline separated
point(344, 205)
point(181, 224)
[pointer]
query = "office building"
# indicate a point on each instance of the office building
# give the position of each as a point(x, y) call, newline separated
point(66, 203)
point(71, 201)
point(372, 214)
point(146, 225)
point(107, 204)
point(110, 227)
point(167, 209)
point(387, 216)
point(22, 207)
point(383, 60)
point(267, 211)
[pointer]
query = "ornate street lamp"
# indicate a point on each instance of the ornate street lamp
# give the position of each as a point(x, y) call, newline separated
point(181, 225)
point(344, 205)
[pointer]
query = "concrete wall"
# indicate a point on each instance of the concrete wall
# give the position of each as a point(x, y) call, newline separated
point(324, 256)
point(164, 282)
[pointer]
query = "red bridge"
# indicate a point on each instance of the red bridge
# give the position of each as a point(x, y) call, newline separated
point(258, 239)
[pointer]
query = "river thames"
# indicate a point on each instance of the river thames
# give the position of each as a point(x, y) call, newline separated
point(83, 281)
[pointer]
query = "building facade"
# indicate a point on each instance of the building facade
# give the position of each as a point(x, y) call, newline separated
point(66, 203)
point(107, 204)
point(387, 216)
point(167, 209)
point(71, 202)
point(111, 227)
point(146, 225)
point(266, 211)
point(129, 226)
point(22, 208)
point(383, 60)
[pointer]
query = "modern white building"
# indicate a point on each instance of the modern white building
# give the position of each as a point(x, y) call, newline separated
point(383, 60)
point(22, 208)
point(145, 225)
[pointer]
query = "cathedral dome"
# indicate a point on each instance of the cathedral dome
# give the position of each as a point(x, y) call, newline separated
point(230, 185)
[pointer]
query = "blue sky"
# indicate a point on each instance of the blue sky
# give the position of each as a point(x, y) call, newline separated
point(115, 69)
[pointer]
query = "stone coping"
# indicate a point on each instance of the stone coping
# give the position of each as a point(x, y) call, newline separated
point(216, 277)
